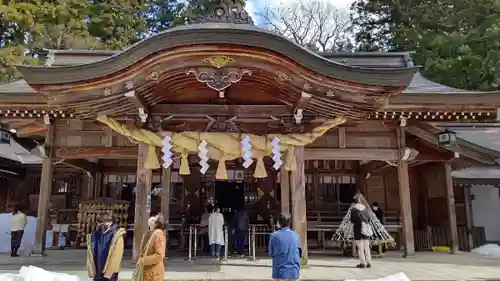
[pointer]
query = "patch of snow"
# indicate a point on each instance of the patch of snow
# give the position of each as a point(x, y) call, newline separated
point(31, 273)
point(489, 250)
point(28, 242)
point(394, 277)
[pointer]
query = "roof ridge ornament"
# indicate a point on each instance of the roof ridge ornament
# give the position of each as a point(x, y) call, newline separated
point(227, 12)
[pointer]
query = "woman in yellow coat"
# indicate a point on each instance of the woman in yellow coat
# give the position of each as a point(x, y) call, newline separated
point(153, 253)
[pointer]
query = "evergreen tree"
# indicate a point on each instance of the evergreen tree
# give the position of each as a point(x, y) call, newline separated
point(163, 14)
point(118, 23)
point(457, 42)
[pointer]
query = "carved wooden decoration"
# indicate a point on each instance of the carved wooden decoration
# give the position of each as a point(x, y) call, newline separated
point(218, 79)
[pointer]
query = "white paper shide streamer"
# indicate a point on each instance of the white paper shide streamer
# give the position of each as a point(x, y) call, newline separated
point(203, 154)
point(167, 152)
point(246, 149)
point(276, 154)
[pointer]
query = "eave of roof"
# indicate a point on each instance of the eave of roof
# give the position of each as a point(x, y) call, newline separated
point(219, 33)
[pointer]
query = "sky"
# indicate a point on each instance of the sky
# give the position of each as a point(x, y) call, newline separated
point(254, 6)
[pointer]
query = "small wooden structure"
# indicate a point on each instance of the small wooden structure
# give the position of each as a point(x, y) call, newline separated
point(89, 211)
point(228, 76)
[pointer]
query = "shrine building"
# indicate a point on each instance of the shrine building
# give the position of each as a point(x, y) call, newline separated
point(344, 122)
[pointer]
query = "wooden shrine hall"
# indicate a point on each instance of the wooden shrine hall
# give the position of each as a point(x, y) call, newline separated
point(346, 122)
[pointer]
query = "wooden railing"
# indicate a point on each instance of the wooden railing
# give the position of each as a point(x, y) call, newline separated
point(425, 239)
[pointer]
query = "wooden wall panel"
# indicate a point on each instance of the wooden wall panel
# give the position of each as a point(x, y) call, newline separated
point(328, 140)
point(415, 189)
point(392, 189)
point(375, 190)
point(434, 180)
point(366, 141)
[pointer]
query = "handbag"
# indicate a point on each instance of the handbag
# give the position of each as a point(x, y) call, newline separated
point(366, 229)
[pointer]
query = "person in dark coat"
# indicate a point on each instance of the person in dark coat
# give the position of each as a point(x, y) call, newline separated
point(378, 212)
point(240, 224)
point(105, 249)
point(360, 216)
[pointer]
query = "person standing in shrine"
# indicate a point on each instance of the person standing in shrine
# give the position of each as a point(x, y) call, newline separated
point(153, 251)
point(240, 224)
point(362, 231)
point(380, 216)
point(18, 224)
point(105, 249)
point(204, 228)
point(285, 250)
point(216, 232)
point(378, 212)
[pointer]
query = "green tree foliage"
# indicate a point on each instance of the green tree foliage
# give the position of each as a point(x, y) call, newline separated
point(163, 14)
point(456, 41)
point(27, 27)
point(117, 23)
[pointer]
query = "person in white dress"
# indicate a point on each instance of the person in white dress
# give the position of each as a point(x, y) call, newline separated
point(216, 232)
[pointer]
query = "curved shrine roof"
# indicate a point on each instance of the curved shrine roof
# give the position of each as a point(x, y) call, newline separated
point(219, 34)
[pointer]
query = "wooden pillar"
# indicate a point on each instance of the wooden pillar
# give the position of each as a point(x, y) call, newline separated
point(98, 185)
point(468, 216)
point(45, 192)
point(452, 215)
point(90, 187)
point(404, 197)
point(166, 183)
point(142, 191)
point(285, 191)
point(299, 212)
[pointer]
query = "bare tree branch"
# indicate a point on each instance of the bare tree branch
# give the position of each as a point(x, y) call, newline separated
point(314, 24)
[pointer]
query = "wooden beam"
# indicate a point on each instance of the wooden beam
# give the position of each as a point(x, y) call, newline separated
point(468, 216)
point(82, 165)
point(404, 198)
point(198, 110)
point(450, 200)
point(467, 181)
point(373, 166)
point(302, 101)
point(45, 192)
point(136, 100)
point(95, 152)
point(300, 105)
point(143, 192)
point(166, 183)
point(342, 137)
point(381, 154)
point(285, 190)
point(299, 212)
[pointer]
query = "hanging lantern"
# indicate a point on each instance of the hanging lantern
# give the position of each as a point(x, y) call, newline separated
point(447, 138)
point(5, 136)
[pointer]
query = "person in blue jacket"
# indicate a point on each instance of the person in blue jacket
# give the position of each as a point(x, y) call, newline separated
point(285, 250)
